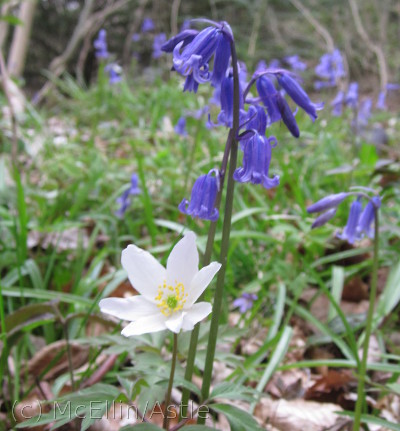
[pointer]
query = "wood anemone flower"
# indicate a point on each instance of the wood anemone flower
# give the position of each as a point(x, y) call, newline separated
point(167, 295)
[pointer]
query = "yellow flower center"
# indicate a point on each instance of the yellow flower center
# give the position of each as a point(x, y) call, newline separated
point(170, 299)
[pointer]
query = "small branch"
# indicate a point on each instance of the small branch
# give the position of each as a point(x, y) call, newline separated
point(5, 82)
point(323, 32)
point(174, 16)
point(374, 47)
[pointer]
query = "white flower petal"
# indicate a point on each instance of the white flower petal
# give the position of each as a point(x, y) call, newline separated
point(128, 309)
point(174, 323)
point(198, 312)
point(144, 271)
point(145, 325)
point(200, 281)
point(183, 262)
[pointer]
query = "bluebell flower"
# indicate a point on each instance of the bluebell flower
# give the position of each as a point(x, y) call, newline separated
point(295, 63)
point(225, 117)
point(331, 68)
point(367, 217)
point(245, 302)
point(324, 218)
point(257, 119)
point(267, 92)
point(114, 73)
point(193, 59)
point(352, 95)
point(277, 107)
point(185, 36)
point(351, 232)
point(364, 112)
point(202, 202)
point(256, 160)
point(100, 45)
point(391, 86)
point(147, 25)
point(381, 103)
point(158, 42)
point(135, 37)
point(337, 104)
point(328, 202)
point(124, 200)
point(287, 115)
point(261, 66)
point(298, 95)
point(180, 127)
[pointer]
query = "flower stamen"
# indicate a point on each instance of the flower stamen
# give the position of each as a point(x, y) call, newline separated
point(171, 299)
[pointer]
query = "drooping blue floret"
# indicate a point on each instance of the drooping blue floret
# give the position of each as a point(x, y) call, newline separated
point(185, 36)
point(225, 117)
point(114, 73)
point(364, 112)
point(267, 92)
point(158, 42)
point(202, 201)
point(381, 103)
point(287, 115)
point(295, 63)
point(324, 218)
point(297, 94)
point(337, 104)
point(124, 200)
point(100, 45)
point(331, 68)
point(245, 302)
point(352, 95)
point(256, 160)
point(328, 202)
point(180, 127)
point(147, 25)
point(367, 217)
point(351, 232)
point(193, 58)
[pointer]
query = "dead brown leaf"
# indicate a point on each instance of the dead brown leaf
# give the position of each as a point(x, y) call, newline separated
point(297, 415)
point(56, 352)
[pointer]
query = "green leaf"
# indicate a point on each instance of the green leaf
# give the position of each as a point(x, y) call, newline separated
point(11, 19)
point(236, 417)
point(369, 419)
point(232, 391)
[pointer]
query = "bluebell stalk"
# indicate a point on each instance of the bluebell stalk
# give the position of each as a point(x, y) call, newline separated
point(202, 202)
point(209, 56)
